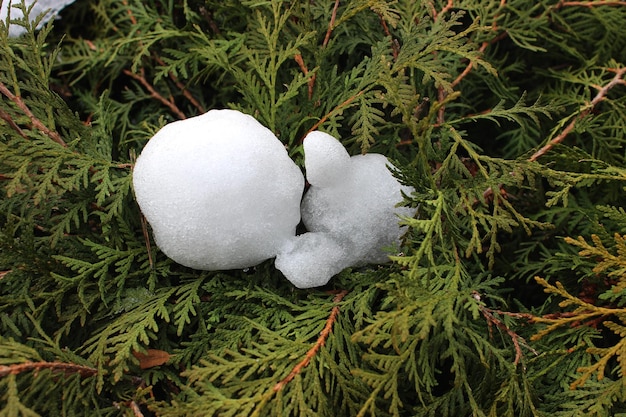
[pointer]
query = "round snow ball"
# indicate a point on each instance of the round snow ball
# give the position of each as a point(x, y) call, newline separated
point(219, 191)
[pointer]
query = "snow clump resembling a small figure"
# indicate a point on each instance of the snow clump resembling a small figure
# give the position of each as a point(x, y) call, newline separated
point(350, 211)
point(221, 192)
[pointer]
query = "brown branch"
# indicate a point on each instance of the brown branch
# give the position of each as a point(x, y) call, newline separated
point(7, 118)
point(33, 119)
point(305, 71)
point(444, 10)
point(492, 320)
point(66, 368)
point(588, 4)
point(584, 111)
point(133, 20)
point(154, 94)
point(494, 27)
point(330, 113)
point(321, 340)
point(182, 87)
point(441, 94)
point(469, 66)
point(395, 46)
point(333, 17)
point(208, 16)
point(5, 273)
point(136, 411)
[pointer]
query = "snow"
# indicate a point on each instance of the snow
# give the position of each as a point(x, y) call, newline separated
point(350, 207)
point(220, 192)
point(50, 7)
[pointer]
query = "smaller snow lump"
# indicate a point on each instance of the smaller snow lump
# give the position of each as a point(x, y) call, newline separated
point(349, 210)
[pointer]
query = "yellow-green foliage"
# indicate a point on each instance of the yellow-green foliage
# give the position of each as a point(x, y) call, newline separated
point(610, 264)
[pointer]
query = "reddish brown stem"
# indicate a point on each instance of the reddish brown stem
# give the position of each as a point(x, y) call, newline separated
point(441, 93)
point(33, 119)
point(327, 115)
point(492, 320)
point(444, 10)
point(395, 47)
point(182, 88)
point(588, 4)
point(321, 340)
point(154, 94)
point(585, 110)
point(333, 17)
point(132, 18)
point(66, 368)
point(7, 118)
point(136, 411)
point(305, 71)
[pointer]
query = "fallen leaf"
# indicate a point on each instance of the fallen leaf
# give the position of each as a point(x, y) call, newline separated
point(152, 358)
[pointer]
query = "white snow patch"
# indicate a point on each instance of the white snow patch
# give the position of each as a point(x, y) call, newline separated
point(50, 7)
point(221, 192)
point(352, 203)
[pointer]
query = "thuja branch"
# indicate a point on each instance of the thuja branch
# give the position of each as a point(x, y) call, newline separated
point(588, 4)
point(449, 5)
point(329, 31)
point(305, 71)
point(7, 118)
point(331, 24)
point(38, 124)
point(583, 312)
point(182, 88)
point(141, 78)
point(321, 340)
point(333, 112)
point(584, 111)
point(492, 320)
point(66, 368)
point(494, 27)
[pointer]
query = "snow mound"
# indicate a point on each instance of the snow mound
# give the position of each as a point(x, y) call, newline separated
point(219, 191)
point(350, 208)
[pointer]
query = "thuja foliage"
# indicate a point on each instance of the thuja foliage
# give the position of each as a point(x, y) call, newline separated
point(508, 297)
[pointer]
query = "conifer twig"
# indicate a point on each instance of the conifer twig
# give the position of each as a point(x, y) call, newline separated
point(305, 71)
point(333, 17)
point(494, 26)
point(333, 111)
point(7, 118)
point(141, 78)
point(492, 320)
point(38, 124)
point(444, 10)
point(182, 87)
point(584, 111)
point(321, 340)
point(67, 368)
point(395, 47)
point(136, 411)
point(588, 4)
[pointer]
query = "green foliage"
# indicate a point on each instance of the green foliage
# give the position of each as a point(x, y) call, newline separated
point(507, 117)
